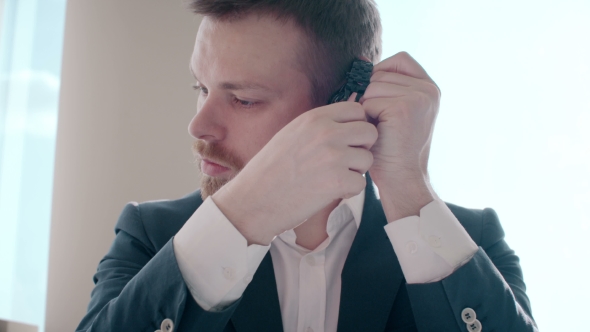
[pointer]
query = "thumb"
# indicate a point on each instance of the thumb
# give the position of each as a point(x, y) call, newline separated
point(402, 63)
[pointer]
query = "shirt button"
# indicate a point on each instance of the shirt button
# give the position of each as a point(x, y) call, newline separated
point(167, 325)
point(474, 327)
point(248, 278)
point(412, 247)
point(468, 315)
point(311, 261)
point(434, 241)
point(229, 273)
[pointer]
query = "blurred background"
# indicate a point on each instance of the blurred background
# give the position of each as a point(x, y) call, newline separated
point(95, 99)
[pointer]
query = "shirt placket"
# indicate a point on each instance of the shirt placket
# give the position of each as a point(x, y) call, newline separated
point(312, 292)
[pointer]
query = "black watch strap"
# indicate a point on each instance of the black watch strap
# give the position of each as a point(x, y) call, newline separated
point(357, 80)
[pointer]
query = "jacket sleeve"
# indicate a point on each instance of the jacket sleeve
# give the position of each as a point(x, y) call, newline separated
point(491, 284)
point(137, 287)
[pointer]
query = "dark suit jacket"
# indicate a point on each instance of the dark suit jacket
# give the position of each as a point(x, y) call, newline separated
point(138, 283)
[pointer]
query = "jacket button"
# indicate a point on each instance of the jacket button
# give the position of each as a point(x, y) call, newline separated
point(474, 327)
point(468, 315)
point(167, 325)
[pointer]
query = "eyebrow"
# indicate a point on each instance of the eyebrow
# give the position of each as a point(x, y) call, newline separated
point(243, 85)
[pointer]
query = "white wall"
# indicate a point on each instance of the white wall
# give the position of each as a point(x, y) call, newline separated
point(125, 105)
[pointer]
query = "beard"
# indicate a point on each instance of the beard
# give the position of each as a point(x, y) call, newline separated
point(216, 153)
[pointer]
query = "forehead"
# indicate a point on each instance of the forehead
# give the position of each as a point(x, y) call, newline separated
point(253, 47)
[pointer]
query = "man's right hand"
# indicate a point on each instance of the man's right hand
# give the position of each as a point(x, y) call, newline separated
point(317, 158)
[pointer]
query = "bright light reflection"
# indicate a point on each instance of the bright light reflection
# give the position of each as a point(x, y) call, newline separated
point(513, 129)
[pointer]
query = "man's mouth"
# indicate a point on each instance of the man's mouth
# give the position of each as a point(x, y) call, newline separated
point(211, 168)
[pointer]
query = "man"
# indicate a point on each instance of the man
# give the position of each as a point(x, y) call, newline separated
point(286, 232)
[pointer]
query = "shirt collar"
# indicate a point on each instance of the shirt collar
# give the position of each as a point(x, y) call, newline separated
point(354, 204)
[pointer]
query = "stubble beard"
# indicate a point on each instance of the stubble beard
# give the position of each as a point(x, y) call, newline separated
point(210, 184)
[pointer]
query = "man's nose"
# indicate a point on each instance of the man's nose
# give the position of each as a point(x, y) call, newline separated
point(207, 124)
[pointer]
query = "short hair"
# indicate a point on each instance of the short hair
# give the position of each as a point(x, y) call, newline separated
point(337, 31)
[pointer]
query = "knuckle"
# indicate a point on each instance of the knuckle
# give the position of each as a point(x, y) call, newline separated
point(373, 132)
point(333, 155)
point(370, 159)
point(358, 184)
point(403, 55)
point(403, 106)
point(304, 119)
point(432, 89)
point(338, 182)
point(426, 100)
point(369, 133)
point(422, 97)
point(312, 115)
point(357, 109)
point(325, 134)
point(378, 76)
point(329, 158)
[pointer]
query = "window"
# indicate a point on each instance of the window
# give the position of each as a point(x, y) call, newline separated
point(513, 132)
point(31, 34)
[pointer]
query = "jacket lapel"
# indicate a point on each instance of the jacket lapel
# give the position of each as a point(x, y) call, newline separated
point(372, 275)
point(259, 309)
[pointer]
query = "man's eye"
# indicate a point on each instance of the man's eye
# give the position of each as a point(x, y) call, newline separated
point(244, 103)
point(202, 89)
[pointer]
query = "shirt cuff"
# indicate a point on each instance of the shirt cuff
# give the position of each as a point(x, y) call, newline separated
point(432, 246)
point(214, 259)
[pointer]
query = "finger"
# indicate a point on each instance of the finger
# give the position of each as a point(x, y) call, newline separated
point(427, 86)
point(394, 78)
point(352, 183)
point(404, 64)
point(352, 97)
point(359, 159)
point(375, 107)
point(358, 134)
point(345, 112)
point(381, 90)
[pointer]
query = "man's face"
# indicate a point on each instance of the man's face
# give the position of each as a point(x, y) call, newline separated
point(251, 87)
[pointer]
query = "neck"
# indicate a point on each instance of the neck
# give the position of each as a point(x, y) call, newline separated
point(313, 232)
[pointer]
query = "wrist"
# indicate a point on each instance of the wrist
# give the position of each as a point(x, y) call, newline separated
point(404, 198)
point(244, 216)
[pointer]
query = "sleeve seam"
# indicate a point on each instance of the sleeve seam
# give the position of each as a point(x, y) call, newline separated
point(483, 222)
point(140, 219)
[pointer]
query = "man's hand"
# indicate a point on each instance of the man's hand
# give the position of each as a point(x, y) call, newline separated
point(403, 101)
point(317, 158)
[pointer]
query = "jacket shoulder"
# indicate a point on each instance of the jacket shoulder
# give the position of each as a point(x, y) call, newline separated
point(155, 222)
point(482, 225)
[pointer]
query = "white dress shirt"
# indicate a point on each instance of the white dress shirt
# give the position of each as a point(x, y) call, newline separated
point(217, 265)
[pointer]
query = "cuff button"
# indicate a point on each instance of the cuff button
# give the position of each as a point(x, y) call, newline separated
point(412, 247)
point(434, 241)
point(167, 325)
point(229, 273)
point(474, 327)
point(468, 315)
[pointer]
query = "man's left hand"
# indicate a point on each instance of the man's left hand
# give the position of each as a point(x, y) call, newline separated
point(403, 101)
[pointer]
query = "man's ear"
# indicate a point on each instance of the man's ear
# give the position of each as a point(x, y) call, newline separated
point(375, 61)
point(364, 58)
